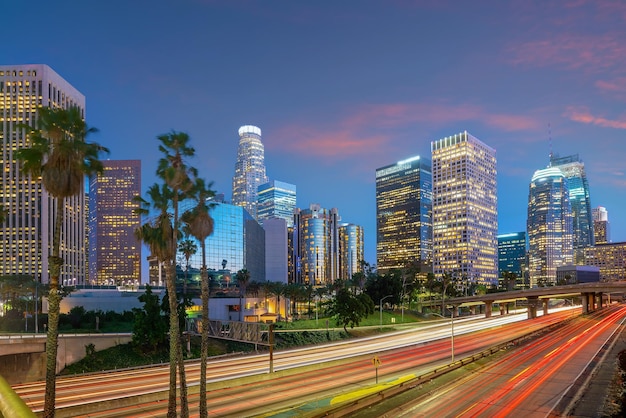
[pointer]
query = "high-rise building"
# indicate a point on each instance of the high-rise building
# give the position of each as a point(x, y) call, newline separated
point(237, 242)
point(573, 169)
point(549, 226)
point(404, 224)
point(610, 258)
point(314, 246)
point(351, 250)
point(276, 250)
point(465, 214)
point(512, 253)
point(27, 234)
point(276, 199)
point(601, 229)
point(249, 169)
point(114, 251)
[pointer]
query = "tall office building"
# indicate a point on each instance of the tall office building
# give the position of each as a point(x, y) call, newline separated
point(27, 234)
point(314, 246)
point(512, 253)
point(351, 250)
point(582, 222)
point(249, 169)
point(465, 214)
point(276, 199)
point(601, 229)
point(114, 252)
point(404, 214)
point(549, 226)
point(237, 242)
point(610, 258)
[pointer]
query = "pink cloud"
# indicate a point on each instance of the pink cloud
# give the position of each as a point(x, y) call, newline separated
point(370, 130)
point(615, 86)
point(331, 143)
point(582, 115)
point(592, 53)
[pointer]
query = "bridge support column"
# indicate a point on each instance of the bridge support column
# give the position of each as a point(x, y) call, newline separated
point(455, 310)
point(587, 300)
point(600, 301)
point(488, 306)
point(502, 309)
point(473, 309)
point(545, 305)
point(533, 301)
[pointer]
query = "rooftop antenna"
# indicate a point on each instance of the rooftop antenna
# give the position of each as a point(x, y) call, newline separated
point(550, 142)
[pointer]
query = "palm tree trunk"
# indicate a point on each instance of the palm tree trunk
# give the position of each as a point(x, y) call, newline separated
point(54, 300)
point(174, 336)
point(204, 345)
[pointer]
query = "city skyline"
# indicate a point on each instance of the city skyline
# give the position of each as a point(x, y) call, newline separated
point(340, 91)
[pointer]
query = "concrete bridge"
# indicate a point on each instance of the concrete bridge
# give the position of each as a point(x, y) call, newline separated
point(23, 356)
point(592, 296)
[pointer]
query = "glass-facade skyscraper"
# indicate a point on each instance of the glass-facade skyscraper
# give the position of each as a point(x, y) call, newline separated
point(237, 242)
point(549, 226)
point(249, 169)
point(573, 169)
point(351, 250)
point(314, 246)
point(404, 214)
point(512, 253)
point(601, 227)
point(114, 252)
point(276, 199)
point(27, 233)
point(465, 209)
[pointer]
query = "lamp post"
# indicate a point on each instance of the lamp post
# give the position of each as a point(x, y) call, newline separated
point(380, 304)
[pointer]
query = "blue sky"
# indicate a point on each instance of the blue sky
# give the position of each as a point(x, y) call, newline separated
point(340, 88)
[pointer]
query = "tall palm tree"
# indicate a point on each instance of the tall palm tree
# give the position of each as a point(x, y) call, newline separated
point(243, 278)
point(60, 154)
point(158, 234)
point(199, 224)
point(177, 175)
point(188, 248)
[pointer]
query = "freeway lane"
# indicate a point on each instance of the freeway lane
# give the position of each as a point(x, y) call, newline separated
point(526, 382)
point(355, 372)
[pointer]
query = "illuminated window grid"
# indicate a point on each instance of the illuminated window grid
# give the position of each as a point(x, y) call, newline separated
point(464, 208)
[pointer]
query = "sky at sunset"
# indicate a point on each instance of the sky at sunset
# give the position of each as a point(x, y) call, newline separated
point(340, 88)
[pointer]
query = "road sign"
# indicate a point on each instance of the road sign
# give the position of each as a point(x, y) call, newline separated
point(376, 361)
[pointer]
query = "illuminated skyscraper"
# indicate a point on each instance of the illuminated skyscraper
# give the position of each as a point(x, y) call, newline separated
point(114, 252)
point(351, 249)
point(404, 214)
point(601, 230)
point(249, 169)
point(582, 222)
point(465, 214)
point(276, 199)
point(549, 226)
point(512, 253)
point(26, 236)
point(314, 249)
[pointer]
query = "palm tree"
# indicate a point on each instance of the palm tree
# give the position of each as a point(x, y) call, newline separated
point(188, 248)
point(157, 233)
point(199, 224)
point(177, 176)
point(58, 153)
point(243, 278)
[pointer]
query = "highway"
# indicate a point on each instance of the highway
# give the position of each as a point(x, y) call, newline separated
point(530, 381)
point(325, 371)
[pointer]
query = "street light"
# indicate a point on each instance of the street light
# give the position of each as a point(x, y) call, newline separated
point(380, 304)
